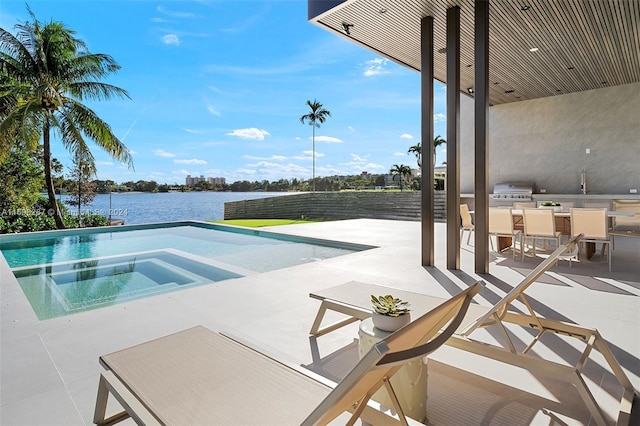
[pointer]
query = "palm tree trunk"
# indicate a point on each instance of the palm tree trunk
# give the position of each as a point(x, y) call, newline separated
point(313, 173)
point(46, 158)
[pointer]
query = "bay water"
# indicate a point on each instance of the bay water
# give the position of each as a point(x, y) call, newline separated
point(144, 207)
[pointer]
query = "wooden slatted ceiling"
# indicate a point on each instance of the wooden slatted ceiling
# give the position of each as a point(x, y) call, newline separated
point(583, 44)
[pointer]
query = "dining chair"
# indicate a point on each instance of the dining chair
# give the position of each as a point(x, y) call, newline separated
point(540, 224)
point(625, 225)
point(467, 222)
point(594, 225)
point(501, 225)
point(518, 205)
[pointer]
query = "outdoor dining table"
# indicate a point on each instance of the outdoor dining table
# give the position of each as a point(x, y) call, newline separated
point(563, 224)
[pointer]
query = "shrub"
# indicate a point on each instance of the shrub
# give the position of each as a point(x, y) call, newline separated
point(43, 222)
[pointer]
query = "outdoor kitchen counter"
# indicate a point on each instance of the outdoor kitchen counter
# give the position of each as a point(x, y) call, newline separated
point(578, 199)
point(586, 197)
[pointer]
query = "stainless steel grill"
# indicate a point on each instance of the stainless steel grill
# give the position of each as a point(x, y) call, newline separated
point(512, 191)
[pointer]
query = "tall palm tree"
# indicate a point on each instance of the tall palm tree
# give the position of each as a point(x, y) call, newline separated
point(46, 73)
point(402, 170)
point(417, 150)
point(317, 116)
point(437, 141)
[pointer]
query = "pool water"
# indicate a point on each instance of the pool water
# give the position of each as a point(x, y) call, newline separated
point(66, 272)
point(65, 288)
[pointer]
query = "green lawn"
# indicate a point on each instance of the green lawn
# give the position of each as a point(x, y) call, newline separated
point(257, 223)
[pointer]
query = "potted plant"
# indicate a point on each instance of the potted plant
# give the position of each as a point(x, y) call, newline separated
point(554, 205)
point(389, 313)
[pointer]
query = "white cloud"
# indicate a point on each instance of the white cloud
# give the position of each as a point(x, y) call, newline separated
point(191, 161)
point(213, 111)
point(276, 169)
point(163, 153)
point(160, 20)
point(193, 132)
point(359, 163)
point(438, 118)
point(250, 133)
point(351, 129)
point(399, 154)
point(104, 163)
point(373, 166)
point(375, 67)
point(406, 136)
point(174, 14)
point(298, 138)
point(328, 139)
point(171, 39)
point(307, 155)
point(246, 171)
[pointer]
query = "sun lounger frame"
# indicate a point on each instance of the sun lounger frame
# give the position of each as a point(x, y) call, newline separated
point(354, 304)
point(189, 365)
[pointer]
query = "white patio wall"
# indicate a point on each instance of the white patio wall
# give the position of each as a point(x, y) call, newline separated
point(545, 141)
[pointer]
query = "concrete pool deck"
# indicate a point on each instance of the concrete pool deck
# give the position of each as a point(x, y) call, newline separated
point(49, 369)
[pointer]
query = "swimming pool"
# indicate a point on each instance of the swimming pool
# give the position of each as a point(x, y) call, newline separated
point(64, 272)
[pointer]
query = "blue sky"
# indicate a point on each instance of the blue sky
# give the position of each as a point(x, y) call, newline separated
point(218, 88)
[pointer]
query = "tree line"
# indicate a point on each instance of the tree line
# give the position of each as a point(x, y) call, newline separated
point(331, 183)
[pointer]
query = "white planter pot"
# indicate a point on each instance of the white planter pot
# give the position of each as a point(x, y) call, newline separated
point(387, 323)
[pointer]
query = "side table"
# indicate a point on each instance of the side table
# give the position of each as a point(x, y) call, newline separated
point(409, 383)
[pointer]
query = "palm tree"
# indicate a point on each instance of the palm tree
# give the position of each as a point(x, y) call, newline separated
point(437, 141)
point(417, 150)
point(317, 116)
point(403, 171)
point(46, 73)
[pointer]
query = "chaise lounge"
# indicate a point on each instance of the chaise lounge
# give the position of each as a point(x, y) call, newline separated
point(352, 299)
point(201, 377)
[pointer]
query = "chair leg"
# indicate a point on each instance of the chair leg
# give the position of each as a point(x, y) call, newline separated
point(469, 238)
point(534, 245)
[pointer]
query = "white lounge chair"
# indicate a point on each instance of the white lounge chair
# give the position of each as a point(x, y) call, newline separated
point(199, 377)
point(351, 299)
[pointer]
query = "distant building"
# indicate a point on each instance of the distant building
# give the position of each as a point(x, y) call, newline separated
point(193, 181)
point(217, 181)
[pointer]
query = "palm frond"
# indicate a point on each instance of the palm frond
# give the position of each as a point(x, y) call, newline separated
point(45, 73)
point(96, 90)
point(88, 122)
